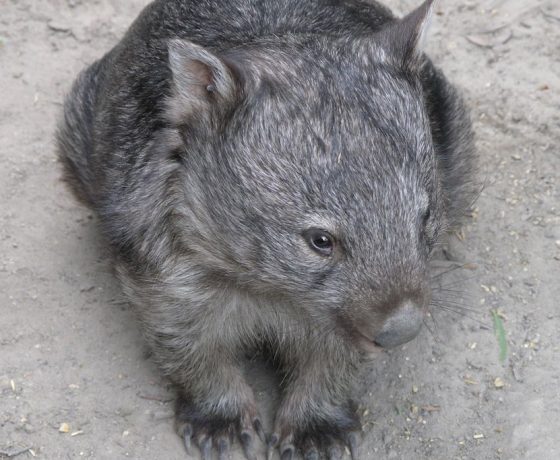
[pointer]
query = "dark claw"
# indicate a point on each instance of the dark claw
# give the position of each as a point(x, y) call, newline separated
point(334, 453)
point(287, 452)
point(269, 453)
point(271, 445)
point(223, 445)
point(257, 424)
point(187, 435)
point(205, 446)
point(246, 439)
point(273, 440)
point(312, 454)
point(352, 441)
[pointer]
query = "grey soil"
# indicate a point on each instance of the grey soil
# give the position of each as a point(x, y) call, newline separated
point(71, 353)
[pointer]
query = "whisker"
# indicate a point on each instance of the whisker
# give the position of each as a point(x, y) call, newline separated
point(449, 270)
point(459, 305)
point(430, 329)
point(456, 291)
point(463, 314)
point(448, 292)
point(434, 320)
point(447, 296)
point(463, 280)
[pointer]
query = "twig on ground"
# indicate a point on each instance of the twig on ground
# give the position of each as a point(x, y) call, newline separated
point(12, 454)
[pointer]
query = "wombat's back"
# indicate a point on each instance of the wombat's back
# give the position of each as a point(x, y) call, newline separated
point(75, 134)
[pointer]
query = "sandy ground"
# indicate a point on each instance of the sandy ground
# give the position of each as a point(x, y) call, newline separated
point(71, 353)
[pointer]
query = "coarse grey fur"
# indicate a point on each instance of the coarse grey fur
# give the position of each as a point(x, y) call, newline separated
point(211, 139)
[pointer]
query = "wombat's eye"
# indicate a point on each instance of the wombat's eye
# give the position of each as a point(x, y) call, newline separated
point(426, 217)
point(320, 241)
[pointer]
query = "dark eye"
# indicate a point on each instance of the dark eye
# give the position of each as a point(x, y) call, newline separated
point(320, 241)
point(426, 217)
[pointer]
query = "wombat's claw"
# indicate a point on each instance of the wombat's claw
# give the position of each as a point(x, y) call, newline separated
point(334, 452)
point(329, 443)
point(205, 446)
point(352, 441)
point(223, 445)
point(312, 455)
point(246, 439)
point(271, 445)
point(214, 434)
point(310, 451)
point(187, 435)
point(287, 452)
point(257, 424)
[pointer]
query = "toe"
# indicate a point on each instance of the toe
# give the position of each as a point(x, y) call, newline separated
point(287, 452)
point(223, 445)
point(204, 443)
point(334, 452)
point(271, 445)
point(310, 450)
point(352, 441)
point(247, 441)
point(187, 438)
point(258, 426)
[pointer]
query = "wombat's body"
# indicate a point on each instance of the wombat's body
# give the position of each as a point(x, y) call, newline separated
point(271, 175)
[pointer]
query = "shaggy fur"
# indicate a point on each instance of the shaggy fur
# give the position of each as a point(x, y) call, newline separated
point(211, 139)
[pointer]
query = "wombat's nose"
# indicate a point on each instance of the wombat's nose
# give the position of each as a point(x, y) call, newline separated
point(401, 326)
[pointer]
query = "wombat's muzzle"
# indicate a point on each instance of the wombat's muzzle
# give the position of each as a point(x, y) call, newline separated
point(401, 326)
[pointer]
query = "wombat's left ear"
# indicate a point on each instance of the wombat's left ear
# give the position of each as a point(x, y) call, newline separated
point(405, 37)
point(202, 82)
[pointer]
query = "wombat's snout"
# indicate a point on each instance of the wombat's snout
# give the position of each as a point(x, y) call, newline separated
point(401, 326)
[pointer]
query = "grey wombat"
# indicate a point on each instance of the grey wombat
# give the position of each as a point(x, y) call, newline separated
point(272, 175)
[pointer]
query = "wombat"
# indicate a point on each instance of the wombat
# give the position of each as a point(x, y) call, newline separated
point(272, 177)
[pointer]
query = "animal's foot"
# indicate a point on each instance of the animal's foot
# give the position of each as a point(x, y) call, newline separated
point(320, 438)
point(211, 432)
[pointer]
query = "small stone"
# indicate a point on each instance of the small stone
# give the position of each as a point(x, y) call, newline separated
point(498, 382)
point(56, 26)
point(64, 428)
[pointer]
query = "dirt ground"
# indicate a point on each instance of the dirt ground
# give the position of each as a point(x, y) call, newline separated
point(71, 353)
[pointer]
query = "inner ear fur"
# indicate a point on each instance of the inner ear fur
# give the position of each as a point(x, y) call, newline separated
point(201, 81)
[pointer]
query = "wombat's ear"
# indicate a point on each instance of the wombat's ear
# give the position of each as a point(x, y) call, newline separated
point(405, 37)
point(201, 80)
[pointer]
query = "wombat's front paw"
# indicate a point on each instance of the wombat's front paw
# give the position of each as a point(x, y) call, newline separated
point(324, 436)
point(216, 432)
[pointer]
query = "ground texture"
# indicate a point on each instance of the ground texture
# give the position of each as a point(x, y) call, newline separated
point(75, 378)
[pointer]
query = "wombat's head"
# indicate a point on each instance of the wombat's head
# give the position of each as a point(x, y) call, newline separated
point(309, 172)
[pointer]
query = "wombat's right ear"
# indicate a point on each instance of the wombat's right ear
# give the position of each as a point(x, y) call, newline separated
point(201, 80)
point(405, 37)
